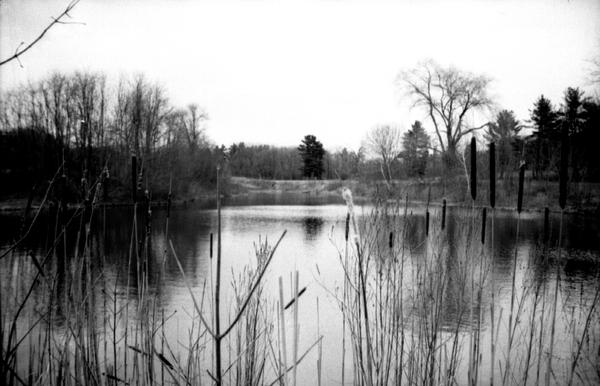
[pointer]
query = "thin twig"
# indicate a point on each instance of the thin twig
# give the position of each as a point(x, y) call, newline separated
point(55, 20)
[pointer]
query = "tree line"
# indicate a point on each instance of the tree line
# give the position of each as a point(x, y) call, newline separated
point(95, 128)
point(450, 97)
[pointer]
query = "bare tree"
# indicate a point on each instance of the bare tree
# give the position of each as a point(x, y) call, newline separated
point(60, 19)
point(384, 141)
point(192, 124)
point(13, 109)
point(53, 91)
point(447, 94)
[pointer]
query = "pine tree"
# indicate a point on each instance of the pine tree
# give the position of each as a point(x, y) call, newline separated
point(415, 143)
point(572, 117)
point(504, 132)
point(546, 135)
point(312, 153)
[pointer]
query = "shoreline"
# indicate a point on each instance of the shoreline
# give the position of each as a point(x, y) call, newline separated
point(242, 187)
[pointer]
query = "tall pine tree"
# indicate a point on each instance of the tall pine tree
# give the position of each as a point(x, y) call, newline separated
point(572, 118)
point(312, 153)
point(504, 132)
point(546, 135)
point(415, 144)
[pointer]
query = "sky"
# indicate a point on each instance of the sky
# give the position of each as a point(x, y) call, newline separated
point(273, 71)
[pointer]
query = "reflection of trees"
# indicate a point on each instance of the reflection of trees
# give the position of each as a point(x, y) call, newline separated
point(312, 227)
point(114, 250)
point(127, 257)
point(415, 232)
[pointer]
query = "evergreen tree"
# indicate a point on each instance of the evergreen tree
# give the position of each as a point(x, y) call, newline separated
point(504, 132)
point(590, 138)
point(415, 143)
point(546, 135)
point(312, 153)
point(572, 117)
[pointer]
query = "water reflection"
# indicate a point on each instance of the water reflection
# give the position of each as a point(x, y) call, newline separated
point(307, 244)
point(312, 227)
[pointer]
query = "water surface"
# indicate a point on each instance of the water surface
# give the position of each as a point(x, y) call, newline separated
point(313, 245)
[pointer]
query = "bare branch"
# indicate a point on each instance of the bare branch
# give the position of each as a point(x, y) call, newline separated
point(447, 94)
point(384, 141)
point(55, 20)
point(472, 129)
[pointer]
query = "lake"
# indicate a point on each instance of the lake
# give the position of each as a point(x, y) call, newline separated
point(314, 245)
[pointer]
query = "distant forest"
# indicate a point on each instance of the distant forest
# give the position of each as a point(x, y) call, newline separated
point(94, 130)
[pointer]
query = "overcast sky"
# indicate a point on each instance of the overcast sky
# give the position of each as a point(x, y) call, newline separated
point(273, 71)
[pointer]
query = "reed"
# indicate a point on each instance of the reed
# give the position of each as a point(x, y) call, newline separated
point(513, 317)
point(282, 333)
point(217, 311)
point(520, 191)
point(492, 174)
point(562, 202)
point(473, 337)
point(492, 188)
point(345, 298)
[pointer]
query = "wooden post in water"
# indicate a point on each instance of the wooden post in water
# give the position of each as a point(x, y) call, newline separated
point(443, 214)
point(492, 180)
point(217, 338)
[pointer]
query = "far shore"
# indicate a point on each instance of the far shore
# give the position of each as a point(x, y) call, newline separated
point(584, 197)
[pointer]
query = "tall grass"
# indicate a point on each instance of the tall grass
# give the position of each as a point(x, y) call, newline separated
point(68, 321)
point(416, 305)
point(416, 301)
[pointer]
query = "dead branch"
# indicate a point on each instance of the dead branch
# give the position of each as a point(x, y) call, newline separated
point(55, 20)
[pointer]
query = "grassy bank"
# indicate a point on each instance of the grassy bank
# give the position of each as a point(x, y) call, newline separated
point(583, 197)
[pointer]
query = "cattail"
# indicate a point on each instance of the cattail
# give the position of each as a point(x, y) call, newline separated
point(211, 245)
point(492, 156)
point(427, 223)
point(521, 180)
point(291, 302)
point(443, 214)
point(347, 225)
point(391, 240)
point(564, 168)
point(134, 178)
point(169, 205)
point(473, 169)
point(546, 225)
point(483, 221)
